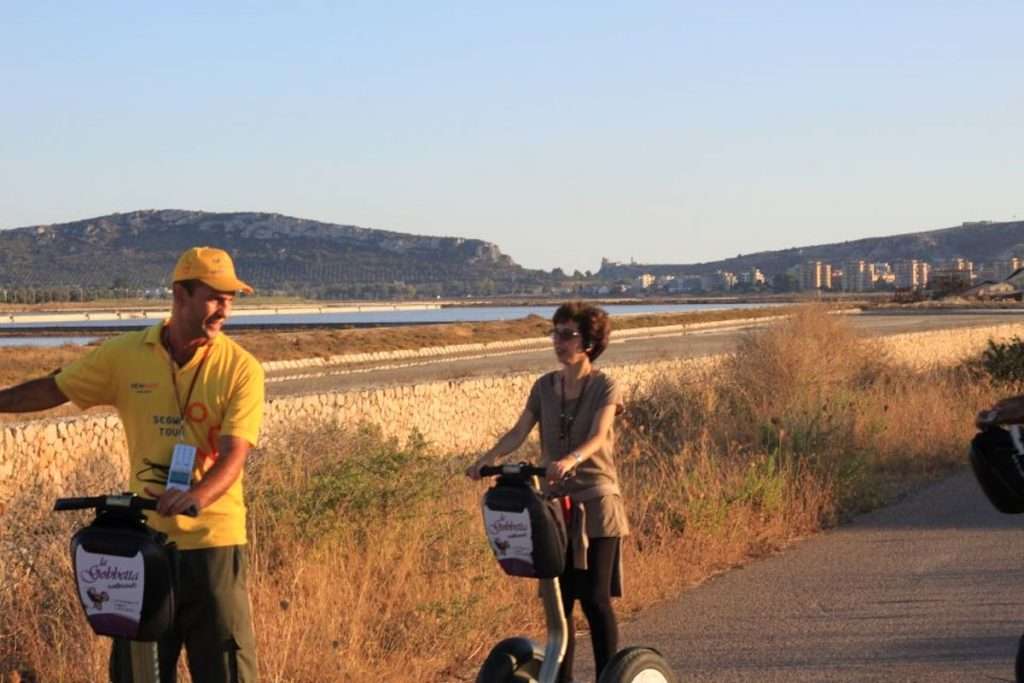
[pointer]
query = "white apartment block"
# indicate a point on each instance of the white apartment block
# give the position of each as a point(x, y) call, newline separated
point(644, 281)
point(816, 275)
point(754, 277)
point(1004, 269)
point(858, 276)
point(718, 281)
point(911, 274)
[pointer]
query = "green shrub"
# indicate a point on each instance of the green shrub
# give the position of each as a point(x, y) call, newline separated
point(1004, 361)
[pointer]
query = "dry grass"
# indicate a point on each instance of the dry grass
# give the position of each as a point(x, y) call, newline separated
point(369, 560)
point(42, 633)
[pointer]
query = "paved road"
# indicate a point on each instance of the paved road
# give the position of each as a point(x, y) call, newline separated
point(620, 352)
point(931, 589)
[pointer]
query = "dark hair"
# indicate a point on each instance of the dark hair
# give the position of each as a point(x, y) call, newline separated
point(592, 321)
point(190, 285)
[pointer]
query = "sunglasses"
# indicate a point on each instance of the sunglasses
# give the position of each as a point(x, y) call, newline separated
point(564, 335)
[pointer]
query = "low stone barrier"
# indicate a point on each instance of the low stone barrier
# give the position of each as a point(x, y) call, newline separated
point(457, 415)
point(922, 350)
point(490, 347)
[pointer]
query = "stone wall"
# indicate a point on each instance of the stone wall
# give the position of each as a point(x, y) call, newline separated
point(922, 350)
point(456, 415)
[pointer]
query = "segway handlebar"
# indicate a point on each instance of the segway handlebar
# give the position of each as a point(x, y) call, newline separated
point(521, 469)
point(125, 501)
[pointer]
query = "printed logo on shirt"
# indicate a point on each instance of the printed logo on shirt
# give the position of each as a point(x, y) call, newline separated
point(169, 425)
point(144, 387)
point(196, 412)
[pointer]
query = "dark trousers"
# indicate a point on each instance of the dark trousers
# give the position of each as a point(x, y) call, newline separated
point(593, 590)
point(213, 622)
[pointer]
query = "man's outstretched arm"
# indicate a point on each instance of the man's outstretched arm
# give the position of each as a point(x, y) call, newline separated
point(36, 394)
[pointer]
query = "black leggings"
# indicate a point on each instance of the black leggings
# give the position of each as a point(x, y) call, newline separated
point(592, 587)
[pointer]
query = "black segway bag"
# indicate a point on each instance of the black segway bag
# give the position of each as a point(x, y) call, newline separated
point(998, 464)
point(126, 575)
point(526, 531)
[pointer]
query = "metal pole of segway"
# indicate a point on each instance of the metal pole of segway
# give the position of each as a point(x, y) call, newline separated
point(558, 632)
point(145, 662)
point(558, 628)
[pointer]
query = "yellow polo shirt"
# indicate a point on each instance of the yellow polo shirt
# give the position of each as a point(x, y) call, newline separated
point(133, 372)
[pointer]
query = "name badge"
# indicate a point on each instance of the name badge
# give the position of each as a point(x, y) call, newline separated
point(183, 459)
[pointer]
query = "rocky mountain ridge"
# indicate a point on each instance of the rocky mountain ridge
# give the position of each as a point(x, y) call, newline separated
point(273, 251)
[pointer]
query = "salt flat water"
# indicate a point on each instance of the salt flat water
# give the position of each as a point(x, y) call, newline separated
point(344, 316)
point(44, 341)
point(372, 317)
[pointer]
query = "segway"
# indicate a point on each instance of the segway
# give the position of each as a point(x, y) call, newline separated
point(126, 576)
point(527, 534)
point(997, 460)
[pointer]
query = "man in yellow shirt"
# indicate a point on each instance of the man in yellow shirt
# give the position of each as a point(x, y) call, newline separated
point(183, 387)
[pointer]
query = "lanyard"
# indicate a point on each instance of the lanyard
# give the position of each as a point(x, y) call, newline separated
point(174, 381)
point(565, 419)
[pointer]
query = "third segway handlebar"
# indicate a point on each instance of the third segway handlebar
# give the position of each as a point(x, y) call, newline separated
point(521, 469)
point(125, 501)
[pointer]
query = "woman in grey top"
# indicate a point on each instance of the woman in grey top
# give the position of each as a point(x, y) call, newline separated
point(576, 408)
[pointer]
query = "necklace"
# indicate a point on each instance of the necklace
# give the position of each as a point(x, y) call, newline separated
point(182, 409)
point(565, 418)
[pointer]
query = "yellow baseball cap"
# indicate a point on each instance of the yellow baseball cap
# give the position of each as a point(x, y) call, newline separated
point(211, 266)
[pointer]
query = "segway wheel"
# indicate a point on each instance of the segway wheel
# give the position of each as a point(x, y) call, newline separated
point(513, 660)
point(637, 665)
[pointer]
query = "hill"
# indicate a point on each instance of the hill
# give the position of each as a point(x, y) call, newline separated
point(138, 250)
point(981, 242)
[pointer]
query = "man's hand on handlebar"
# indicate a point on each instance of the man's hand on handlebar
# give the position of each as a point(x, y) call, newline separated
point(173, 502)
point(1007, 411)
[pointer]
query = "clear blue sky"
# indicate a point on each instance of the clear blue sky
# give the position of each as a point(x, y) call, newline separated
point(564, 132)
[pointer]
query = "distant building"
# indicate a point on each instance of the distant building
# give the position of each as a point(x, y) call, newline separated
point(958, 264)
point(718, 281)
point(858, 276)
point(955, 275)
point(751, 278)
point(816, 275)
point(644, 281)
point(911, 274)
point(882, 270)
point(1004, 269)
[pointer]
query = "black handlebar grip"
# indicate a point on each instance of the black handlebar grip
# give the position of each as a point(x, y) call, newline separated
point(62, 504)
point(150, 504)
point(121, 502)
point(510, 469)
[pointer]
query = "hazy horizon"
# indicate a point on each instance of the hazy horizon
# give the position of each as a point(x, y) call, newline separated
point(657, 131)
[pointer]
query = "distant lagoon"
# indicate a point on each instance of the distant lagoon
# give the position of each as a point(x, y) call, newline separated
point(45, 341)
point(362, 318)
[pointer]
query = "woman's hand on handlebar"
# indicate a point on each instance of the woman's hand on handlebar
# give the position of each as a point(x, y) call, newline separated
point(473, 471)
point(560, 469)
point(173, 501)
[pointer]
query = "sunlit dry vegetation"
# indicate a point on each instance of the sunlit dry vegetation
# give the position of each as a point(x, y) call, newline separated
point(368, 556)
